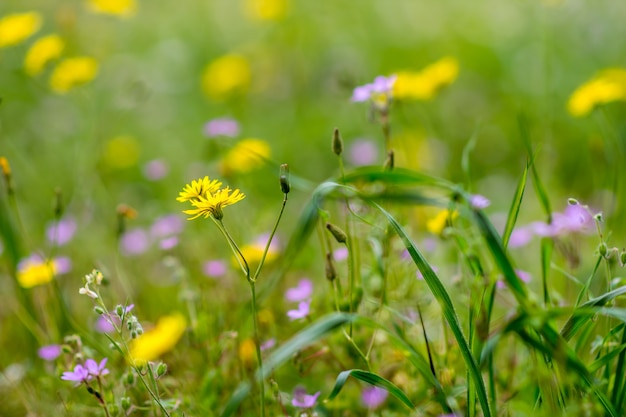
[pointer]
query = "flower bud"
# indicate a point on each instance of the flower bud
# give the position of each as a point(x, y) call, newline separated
point(99, 310)
point(125, 403)
point(331, 273)
point(337, 143)
point(572, 202)
point(161, 369)
point(119, 310)
point(339, 235)
point(598, 217)
point(603, 249)
point(622, 257)
point(284, 179)
point(130, 378)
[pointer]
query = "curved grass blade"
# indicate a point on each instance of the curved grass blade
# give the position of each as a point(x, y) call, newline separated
point(370, 378)
point(538, 185)
point(284, 353)
point(579, 318)
point(397, 176)
point(442, 297)
point(515, 207)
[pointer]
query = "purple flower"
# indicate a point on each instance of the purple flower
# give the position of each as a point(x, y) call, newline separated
point(97, 369)
point(62, 265)
point(363, 152)
point(134, 242)
point(80, 374)
point(221, 127)
point(301, 292)
point(104, 325)
point(214, 269)
point(301, 312)
point(165, 226)
point(49, 352)
point(520, 237)
point(155, 170)
point(61, 232)
point(381, 85)
point(268, 344)
point(340, 254)
point(302, 399)
point(168, 243)
point(373, 397)
point(479, 202)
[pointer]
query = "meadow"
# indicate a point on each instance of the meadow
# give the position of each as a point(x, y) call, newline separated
point(312, 208)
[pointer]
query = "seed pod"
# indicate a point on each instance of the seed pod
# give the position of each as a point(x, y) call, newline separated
point(339, 235)
point(337, 142)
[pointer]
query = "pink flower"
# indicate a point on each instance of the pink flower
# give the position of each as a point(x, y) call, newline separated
point(155, 170)
point(301, 312)
point(381, 85)
point(224, 126)
point(302, 399)
point(300, 292)
point(80, 374)
point(49, 352)
point(97, 369)
point(373, 396)
point(61, 232)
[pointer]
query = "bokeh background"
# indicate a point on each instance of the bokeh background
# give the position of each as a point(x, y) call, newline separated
point(284, 71)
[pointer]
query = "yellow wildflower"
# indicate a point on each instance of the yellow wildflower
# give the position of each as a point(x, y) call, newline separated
point(247, 352)
point(41, 52)
point(121, 152)
point(5, 167)
point(36, 272)
point(248, 155)
point(225, 76)
point(437, 224)
point(15, 28)
point(113, 7)
point(211, 204)
point(254, 252)
point(607, 86)
point(425, 84)
point(72, 72)
point(266, 9)
point(198, 188)
point(159, 340)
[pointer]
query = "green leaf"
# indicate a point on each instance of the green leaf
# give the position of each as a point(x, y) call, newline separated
point(285, 352)
point(515, 207)
point(370, 378)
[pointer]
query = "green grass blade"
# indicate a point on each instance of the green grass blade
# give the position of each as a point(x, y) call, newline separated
point(370, 378)
point(538, 185)
point(578, 320)
point(285, 352)
point(442, 297)
point(515, 208)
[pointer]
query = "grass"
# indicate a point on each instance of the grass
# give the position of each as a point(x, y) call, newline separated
point(368, 260)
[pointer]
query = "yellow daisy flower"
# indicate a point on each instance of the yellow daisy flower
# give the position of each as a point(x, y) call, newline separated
point(198, 188)
point(159, 340)
point(248, 155)
point(266, 9)
point(17, 27)
point(437, 224)
point(607, 86)
point(41, 52)
point(34, 273)
point(212, 203)
point(113, 7)
point(72, 72)
point(425, 84)
point(226, 76)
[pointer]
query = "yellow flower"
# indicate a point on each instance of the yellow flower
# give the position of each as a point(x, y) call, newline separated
point(198, 188)
point(254, 252)
point(113, 7)
point(5, 167)
point(425, 84)
point(72, 72)
point(266, 9)
point(437, 224)
point(225, 76)
point(43, 51)
point(121, 152)
point(248, 155)
point(15, 28)
point(159, 340)
point(607, 86)
point(212, 203)
point(36, 272)
point(247, 352)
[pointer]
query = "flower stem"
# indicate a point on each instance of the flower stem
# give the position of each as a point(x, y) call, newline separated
point(269, 240)
point(257, 344)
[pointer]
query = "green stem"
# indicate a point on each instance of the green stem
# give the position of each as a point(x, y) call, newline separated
point(241, 260)
point(269, 241)
point(257, 343)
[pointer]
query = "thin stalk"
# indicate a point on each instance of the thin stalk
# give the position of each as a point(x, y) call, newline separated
point(241, 260)
point(269, 240)
point(257, 344)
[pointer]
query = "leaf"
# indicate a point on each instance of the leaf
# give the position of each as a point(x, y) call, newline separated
point(370, 378)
